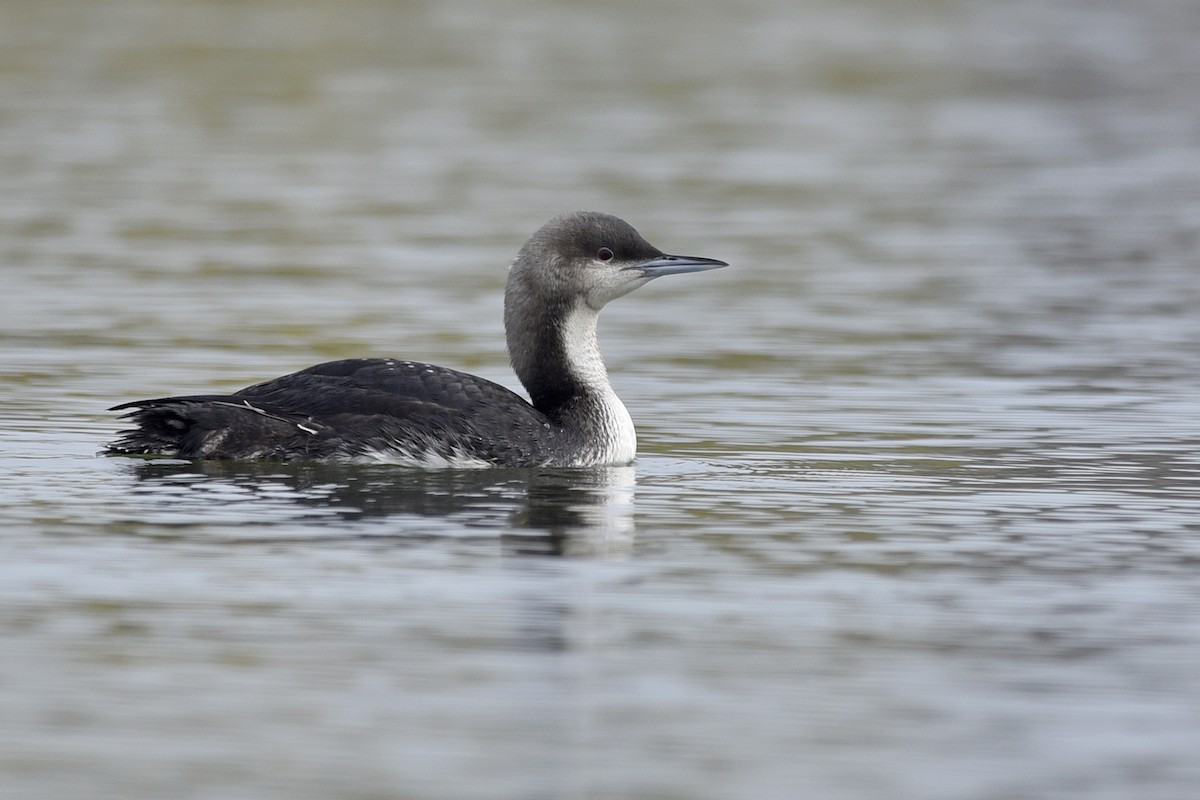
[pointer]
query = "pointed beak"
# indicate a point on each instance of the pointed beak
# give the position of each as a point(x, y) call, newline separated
point(676, 265)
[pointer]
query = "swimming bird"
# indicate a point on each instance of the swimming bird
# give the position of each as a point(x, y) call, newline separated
point(385, 410)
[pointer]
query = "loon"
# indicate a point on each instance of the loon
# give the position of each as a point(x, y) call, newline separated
point(382, 410)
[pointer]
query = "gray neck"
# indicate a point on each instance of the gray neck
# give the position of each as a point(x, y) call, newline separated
point(556, 356)
point(554, 351)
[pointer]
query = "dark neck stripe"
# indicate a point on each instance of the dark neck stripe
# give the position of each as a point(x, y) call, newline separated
point(551, 385)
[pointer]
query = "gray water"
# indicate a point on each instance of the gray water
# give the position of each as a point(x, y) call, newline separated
point(917, 507)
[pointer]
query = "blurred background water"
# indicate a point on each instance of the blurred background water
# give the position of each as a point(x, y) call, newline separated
point(916, 510)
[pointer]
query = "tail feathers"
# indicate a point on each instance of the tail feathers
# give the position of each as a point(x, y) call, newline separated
point(218, 426)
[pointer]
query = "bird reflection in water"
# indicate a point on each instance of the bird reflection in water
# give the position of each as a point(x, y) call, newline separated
point(582, 511)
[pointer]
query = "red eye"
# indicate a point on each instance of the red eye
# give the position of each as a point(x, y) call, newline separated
point(604, 254)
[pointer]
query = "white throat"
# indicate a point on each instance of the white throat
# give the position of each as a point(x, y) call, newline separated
point(618, 443)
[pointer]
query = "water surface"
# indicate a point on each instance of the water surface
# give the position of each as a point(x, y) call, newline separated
point(916, 508)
